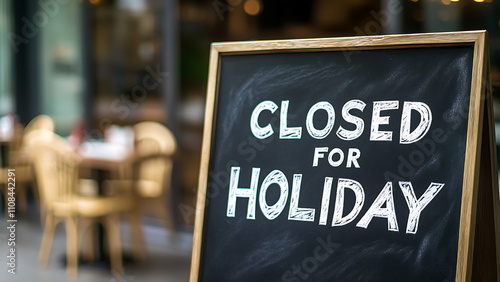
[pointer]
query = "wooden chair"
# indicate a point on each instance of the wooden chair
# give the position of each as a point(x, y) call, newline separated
point(40, 122)
point(148, 172)
point(152, 164)
point(20, 159)
point(56, 167)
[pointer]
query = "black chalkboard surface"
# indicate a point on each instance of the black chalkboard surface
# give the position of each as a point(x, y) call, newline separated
point(325, 162)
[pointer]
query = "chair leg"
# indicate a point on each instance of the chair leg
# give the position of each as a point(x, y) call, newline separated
point(137, 236)
point(36, 194)
point(48, 237)
point(89, 234)
point(163, 213)
point(112, 224)
point(72, 246)
point(38, 199)
point(43, 213)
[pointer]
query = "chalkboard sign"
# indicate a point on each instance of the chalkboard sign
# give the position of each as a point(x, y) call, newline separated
point(348, 159)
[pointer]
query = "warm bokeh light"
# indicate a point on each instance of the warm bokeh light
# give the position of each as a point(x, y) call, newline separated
point(455, 0)
point(446, 2)
point(414, 0)
point(252, 7)
point(479, 1)
point(94, 2)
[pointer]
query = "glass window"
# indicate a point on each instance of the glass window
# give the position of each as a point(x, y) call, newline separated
point(60, 67)
point(6, 96)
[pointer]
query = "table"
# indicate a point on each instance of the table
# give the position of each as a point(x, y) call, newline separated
point(102, 158)
point(102, 155)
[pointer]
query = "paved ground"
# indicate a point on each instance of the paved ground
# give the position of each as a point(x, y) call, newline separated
point(168, 257)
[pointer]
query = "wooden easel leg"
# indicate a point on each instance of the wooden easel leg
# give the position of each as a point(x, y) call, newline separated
point(485, 265)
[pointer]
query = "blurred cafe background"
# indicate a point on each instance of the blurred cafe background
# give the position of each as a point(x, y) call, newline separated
point(87, 86)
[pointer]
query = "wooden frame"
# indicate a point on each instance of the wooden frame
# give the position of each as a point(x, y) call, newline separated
point(479, 126)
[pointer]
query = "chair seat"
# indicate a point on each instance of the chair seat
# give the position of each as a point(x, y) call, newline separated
point(100, 206)
point(145, 188)
point(92, 206)
point(88, 203)
point(149, 189)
